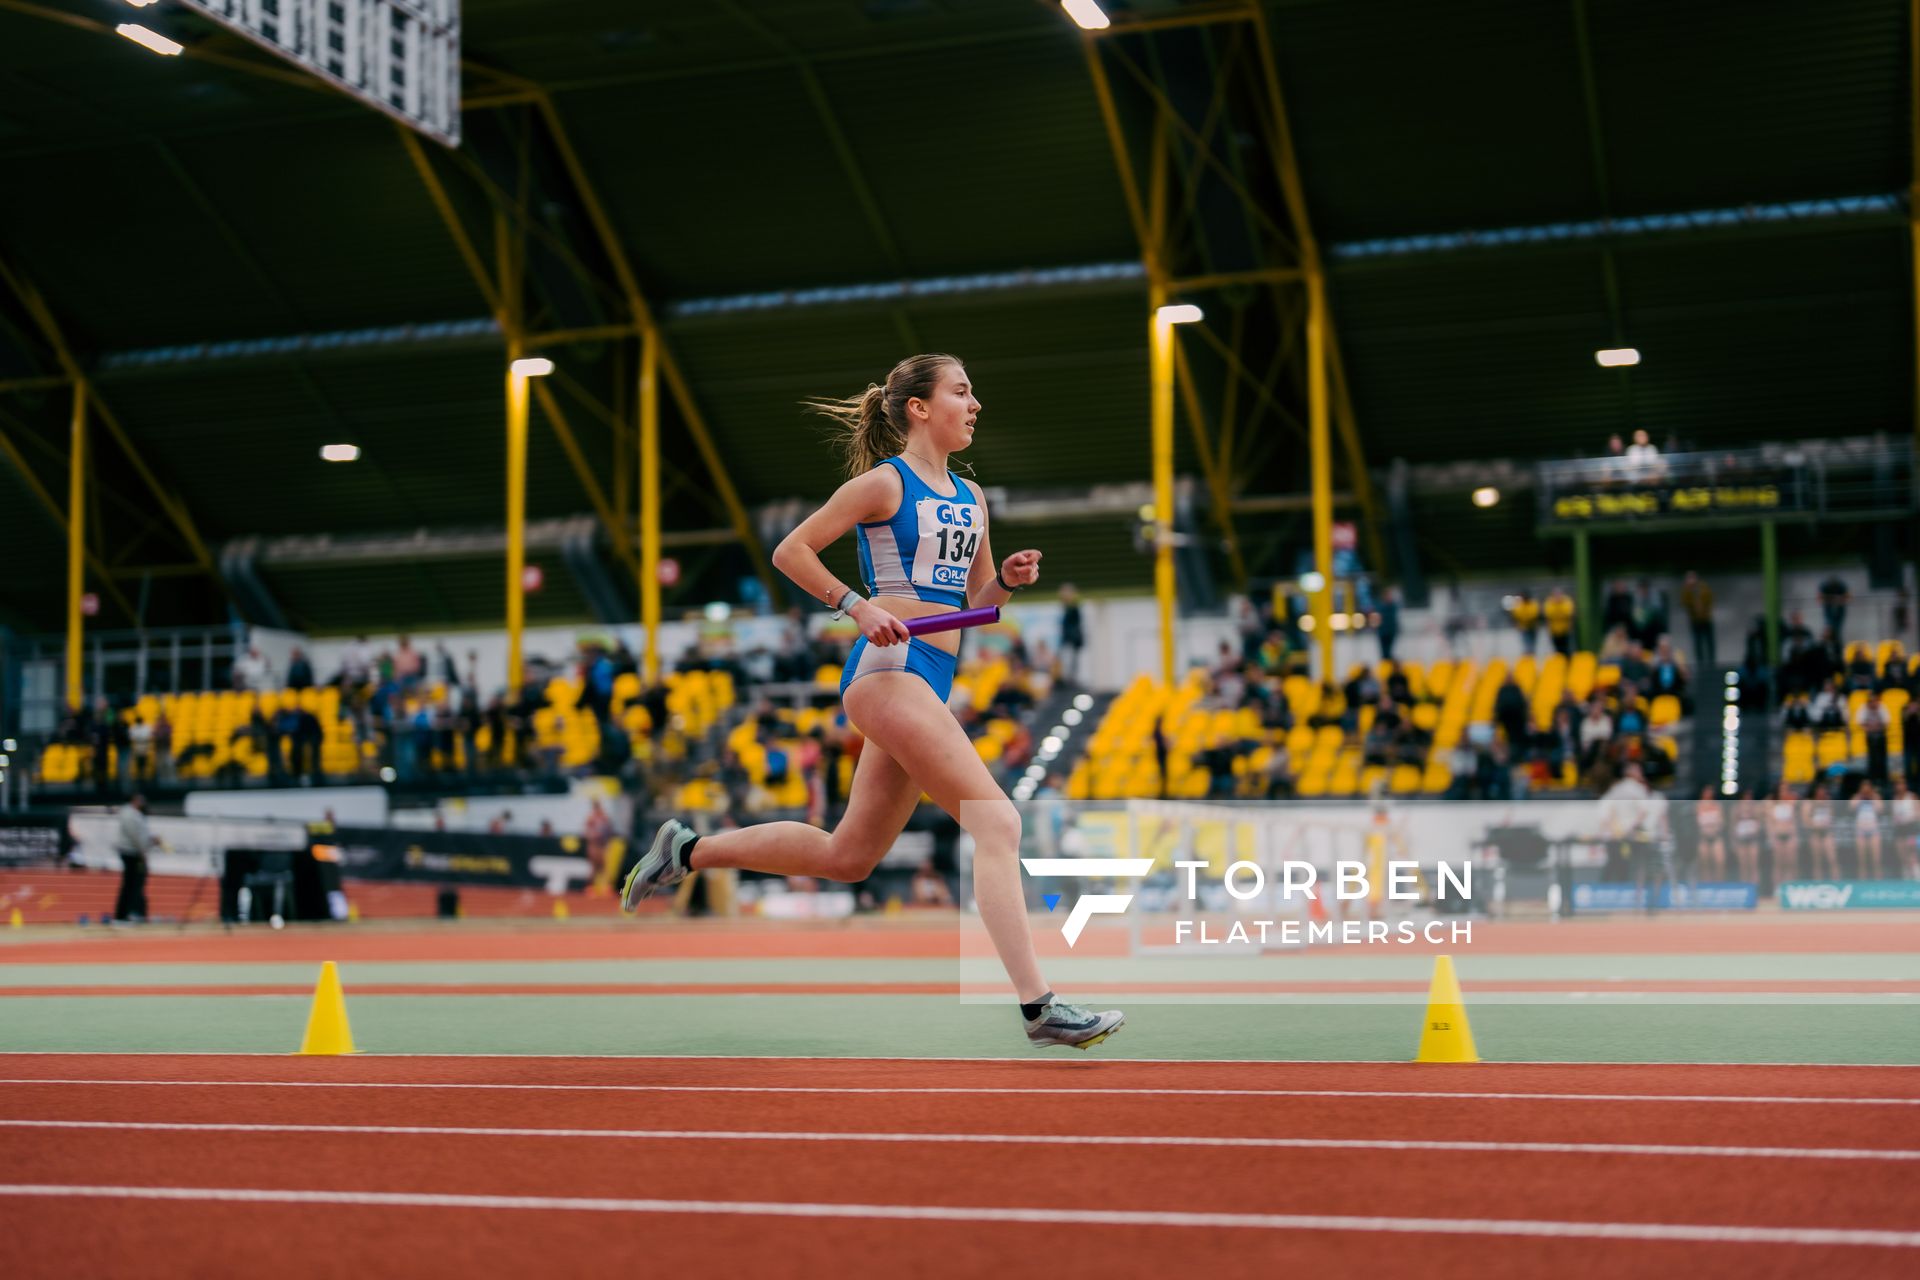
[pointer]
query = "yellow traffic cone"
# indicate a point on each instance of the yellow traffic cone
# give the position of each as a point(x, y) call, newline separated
point(327, 1029)
point(1445, 1035)
point(560, 909)
point(14, 919)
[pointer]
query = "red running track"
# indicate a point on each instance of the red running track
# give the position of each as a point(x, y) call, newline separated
point(675, 1192)
point(933, 936)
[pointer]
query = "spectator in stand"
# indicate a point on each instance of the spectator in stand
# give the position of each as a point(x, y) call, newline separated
point(1514, 716)
point(597, 833)
point(1910, 743)
point(1895, 674)
point(1795, 715)
point(1696, 597)
point(1873, 721)
point(1668, 674)
point(1631, 722)
point(1276, 713)
point(1596, 732)
point(1829, 709)
point(139, 758)
point(1073, 635)
point(1387, 630)
point(445, 670)
point(1563, 741)
point(1218, 761)
point(1833, 603)
point(356, 663)
point(929, 888)
point(163, 749)
point(252, 672)
point(502, 821)
point(1650, 612)
point(1903, 813)
point(1558, 611)
point(1618, 609)
point(1860, 669)
point(1613, 468)
point(1279, 775)
point(1379, 746)
point(299, 670)
point(1361, 691)
point(1399, 688)
point(1643, 460)
point(1633, 663)
point(1526, 619)
point(408, 664)
point(1272, 655)
point(1615, 645)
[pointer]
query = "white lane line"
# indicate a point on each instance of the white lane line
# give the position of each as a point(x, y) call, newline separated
point(1013, 1139)
point(1054, 1064)
point(995, 1090)
point(1704, 1233)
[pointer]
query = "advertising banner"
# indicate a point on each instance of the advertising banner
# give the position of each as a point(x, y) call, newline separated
point(1843, 895)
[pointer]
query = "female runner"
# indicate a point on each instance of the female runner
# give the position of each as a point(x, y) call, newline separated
point(922, 537)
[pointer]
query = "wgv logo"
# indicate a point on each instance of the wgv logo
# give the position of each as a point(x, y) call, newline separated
point(1816, 896)
point(1094, 904)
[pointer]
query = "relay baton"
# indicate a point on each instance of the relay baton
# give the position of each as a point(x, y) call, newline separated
point(953, 621)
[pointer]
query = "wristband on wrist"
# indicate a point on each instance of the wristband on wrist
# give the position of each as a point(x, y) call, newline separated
point(848, 599)
point(1003, 583)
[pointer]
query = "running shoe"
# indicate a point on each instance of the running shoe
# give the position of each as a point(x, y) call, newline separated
point(664, 866)
point(1063, 1023)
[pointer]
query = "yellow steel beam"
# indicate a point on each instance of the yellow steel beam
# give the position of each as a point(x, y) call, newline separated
point(649, 408)
point(76, 545)
point(49, 327)
point(563, 431)
point(1197, 17)
point(1218, 483)
point(503, 300)
point(42, 383)
point(1202, 152)
point(1356, 460)
point(516, 522)
point(669, 367)
point(449, 217)
point(53, 508)
point(1117, 140)
point(1263, 391)
point(1264, 275)
point(594, 333)
point(1321, 457)
point(1293, 192)
point(1160, 343)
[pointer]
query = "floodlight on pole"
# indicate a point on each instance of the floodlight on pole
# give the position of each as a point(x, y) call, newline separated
point(1616, 358)
point(149, 39)
point(339, 452)
point(141, 4)
point(1087, 14)
point(531, 367)
point(1486, 496)
point(1180, 313)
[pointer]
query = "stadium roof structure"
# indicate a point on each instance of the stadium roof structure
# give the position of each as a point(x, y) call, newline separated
point(242, 264)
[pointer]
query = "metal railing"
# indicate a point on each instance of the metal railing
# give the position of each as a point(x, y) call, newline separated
point(1857, 479)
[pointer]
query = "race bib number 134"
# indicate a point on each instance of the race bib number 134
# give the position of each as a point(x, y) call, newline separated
point(949, 535)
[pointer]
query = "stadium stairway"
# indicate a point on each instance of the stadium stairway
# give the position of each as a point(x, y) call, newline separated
point(1052, 712)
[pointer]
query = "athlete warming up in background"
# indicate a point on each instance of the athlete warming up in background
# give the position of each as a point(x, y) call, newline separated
point(923, 547)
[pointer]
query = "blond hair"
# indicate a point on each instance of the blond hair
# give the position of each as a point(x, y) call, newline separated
point(872, 426)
